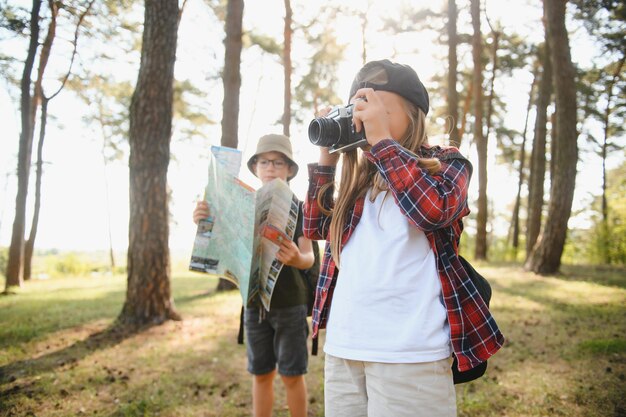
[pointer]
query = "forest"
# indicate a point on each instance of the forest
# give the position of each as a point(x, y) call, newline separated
point(110, 107)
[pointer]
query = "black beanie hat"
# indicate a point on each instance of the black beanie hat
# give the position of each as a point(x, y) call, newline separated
point(396, 78)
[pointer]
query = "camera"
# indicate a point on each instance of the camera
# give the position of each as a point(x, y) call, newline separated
point(336, 131)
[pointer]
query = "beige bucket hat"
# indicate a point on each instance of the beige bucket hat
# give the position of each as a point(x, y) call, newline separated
point(274, 143)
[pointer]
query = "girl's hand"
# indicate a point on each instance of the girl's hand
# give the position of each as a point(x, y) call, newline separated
point(370, 114)
point(288, 253)
point(326, 158)
point(201, 211)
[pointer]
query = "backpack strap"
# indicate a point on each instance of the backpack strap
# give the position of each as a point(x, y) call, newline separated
point(240, 335)
point(314, 346)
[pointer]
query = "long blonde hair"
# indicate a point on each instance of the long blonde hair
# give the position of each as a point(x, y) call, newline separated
point(358, 175)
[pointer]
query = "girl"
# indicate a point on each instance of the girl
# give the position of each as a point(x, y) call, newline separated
point(279, 336)
point(392, 295)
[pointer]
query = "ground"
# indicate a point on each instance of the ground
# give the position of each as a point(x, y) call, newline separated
point(565, 353)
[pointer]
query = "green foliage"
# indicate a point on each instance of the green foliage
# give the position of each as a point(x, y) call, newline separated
point(190, 113)
point(266, 43)
point(70, 264)
point(4, 257)
point(139, 408)
point(606, 20)
point(318, 87)
point(605, 243)
point(616, 228)
point(55, 264)
point(108, 102)
point(602, 243)
point(603, 346)
point(13, 19)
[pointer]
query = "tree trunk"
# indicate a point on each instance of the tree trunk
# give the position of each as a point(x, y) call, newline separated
point(480, 140)
point(232, 85)
point(16, 249)
point(520, 173)
point(538, 155)
point(492, 81)
point(148, 295)
point(287, 69)
point(108, 207)
point(453, 95)
point(232, 75)
point(364, 21)
point(606, 231)
point(546, 258)
point(466, 109)
point(30, 243)
point(39, 98)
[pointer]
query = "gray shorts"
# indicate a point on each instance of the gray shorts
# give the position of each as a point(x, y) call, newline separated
point(280, 338)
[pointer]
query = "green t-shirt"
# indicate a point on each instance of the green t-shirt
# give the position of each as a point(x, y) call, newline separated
point(290, 289)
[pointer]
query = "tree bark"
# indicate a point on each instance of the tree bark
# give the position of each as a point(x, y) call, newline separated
point(492, 81)
point(537, 174)
point(364, 22)
point(38, 97)
point(546, 258)
point(466, 108)
point(30, 243)
point(148, 295)
point(480, 251)
point(453, 95)
point(232, 74)
point(232, 84)
point(16, 249)
point(287, 69)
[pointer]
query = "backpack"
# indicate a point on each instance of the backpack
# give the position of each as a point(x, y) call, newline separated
point(484, 289)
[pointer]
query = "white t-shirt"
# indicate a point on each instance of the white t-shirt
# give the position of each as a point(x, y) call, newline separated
point(387, 305)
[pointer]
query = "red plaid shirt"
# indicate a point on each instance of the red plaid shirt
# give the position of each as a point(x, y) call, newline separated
point(433, 203)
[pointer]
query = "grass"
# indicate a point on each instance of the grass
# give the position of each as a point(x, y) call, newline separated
point(565, 353)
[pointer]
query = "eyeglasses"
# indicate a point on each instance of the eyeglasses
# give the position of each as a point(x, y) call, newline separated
point(277, 163)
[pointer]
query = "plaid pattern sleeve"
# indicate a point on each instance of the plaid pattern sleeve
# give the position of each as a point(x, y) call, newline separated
point(317, 224)
point(428, 201)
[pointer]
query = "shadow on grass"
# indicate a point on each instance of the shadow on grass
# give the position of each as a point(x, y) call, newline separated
point(611, 276)
point(27, 319)
point(605, 275)
point(31, 319)
point(584, 327)
point(111, 336)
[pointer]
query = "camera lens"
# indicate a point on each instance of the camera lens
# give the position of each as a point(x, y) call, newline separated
point(324, 132)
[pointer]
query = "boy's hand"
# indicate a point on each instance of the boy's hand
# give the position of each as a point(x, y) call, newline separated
point(201, 211)
point(288, 253)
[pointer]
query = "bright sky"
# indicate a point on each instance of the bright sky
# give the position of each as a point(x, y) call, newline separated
point(73, 211)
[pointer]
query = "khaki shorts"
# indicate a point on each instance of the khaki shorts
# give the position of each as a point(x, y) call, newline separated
point(374, 389)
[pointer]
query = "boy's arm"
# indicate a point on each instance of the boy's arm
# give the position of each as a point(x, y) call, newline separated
point(305, 247)
point(297, 255)
point(428, 201)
